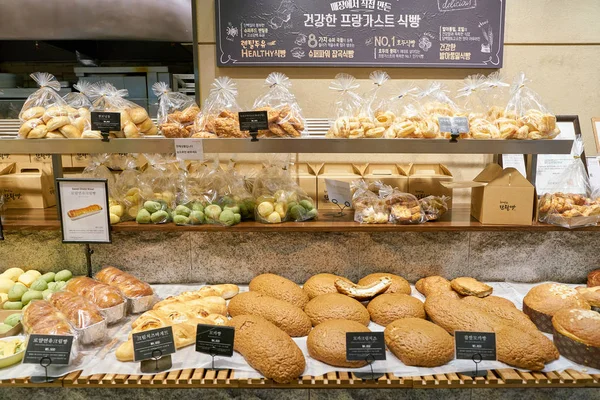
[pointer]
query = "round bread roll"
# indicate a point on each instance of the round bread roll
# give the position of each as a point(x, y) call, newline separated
point(431, 284)
point(420, 343)
point(125, 118)
point(327, 342)
point(577, 335)
point(57, 122)
point(386, 308)
point(545, 300)
point(38, 132)
point(471, 287)
point(291, 319)
point(55, 135)
point(33, 112)
point(399, 284)
point(280, 288)
point(593, 278)
point(336, 306)
point(92, 135)
point(153, 131)
point(70, 131)
point(138, 115)
point(267, 348)
point(131, 131)
point(28, 126)
point(145, 125)
point(321, 284)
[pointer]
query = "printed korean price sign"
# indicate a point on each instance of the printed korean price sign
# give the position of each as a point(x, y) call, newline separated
point(53, 347)
point(84, 210)
point(364, 33)
point(339, 192)
point(454, 124)
point(215, 340)
point(365, 346)
point(475, 346)
point(254, 121)
point(153, 344)
point(106, 121)
point(189, 149)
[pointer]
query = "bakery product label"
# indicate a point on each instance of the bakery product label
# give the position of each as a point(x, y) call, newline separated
point(153, 344)
point(369, 346)
point(254, 121)
point(48, 350)
point(476, 346)
point(84, 210)
point(106, 121)
point(215, 340)
point(189, 149)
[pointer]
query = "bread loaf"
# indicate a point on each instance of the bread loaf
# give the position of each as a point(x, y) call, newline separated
point(420, 343)
point(336, 306)
point(200, 307)
point(399, 284)
point(509, 313)
point(286, 316)
point(321, 284)
point(280, 288)
point(80, 312)
point(593, 278)
point(471, 287)
point(577, 335)
point(386, 308)
point(433, 284)
point(129, 285)
point(40, 318)
point(267, 348)
point(102, 295)
point(327, 342)
point(591, 295)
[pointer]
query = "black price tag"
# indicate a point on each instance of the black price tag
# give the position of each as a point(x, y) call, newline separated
point(254, 121)
point(365, 346)
point(476, 346)
point(215, 340)
point(53, 347)
point(153, 344)
point(106, 121)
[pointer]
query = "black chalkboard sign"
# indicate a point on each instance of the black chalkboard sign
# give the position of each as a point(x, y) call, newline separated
point(365, 346)
point(253, 121)
point(475, 345)
point(215, 340)
point(106, 121)
point(155, 343)
point(56, 349)
point(364, 33)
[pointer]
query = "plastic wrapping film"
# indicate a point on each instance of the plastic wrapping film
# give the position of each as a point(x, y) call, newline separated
point(368, 207)
point(219, 115)
point(109, 300)
point(140, 296)
point(472, 97)
point(176, 112)
point(82, 314)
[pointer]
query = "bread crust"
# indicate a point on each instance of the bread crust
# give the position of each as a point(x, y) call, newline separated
point(336, 306)
point(327, 342)
point(280, 288)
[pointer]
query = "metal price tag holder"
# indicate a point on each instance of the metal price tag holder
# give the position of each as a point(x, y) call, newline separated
point(36, 349)
point(454, 125)
point(106, 122)
point(158, 363)
point(475, 346)
point(253, 121)
point(153, 349)
point(341, 207)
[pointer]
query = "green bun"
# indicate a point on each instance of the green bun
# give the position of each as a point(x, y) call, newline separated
point(143, 216)
point(197, 206)
point(39, 285)
point(5, 328)
point(227, 217)
point(152, 206)
point(31, 295)
point(307, 204)
point(197, 218)
point(13, 305)
point(181, 220)
point(48, 277)
point(182, 210)
point(13, 319)
point(16, 292)
point(160, 217)
point(63, 275)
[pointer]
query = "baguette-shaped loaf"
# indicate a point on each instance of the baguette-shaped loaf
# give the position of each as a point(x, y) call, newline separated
point(82, 211)
point(80, 312)
point(286, 316)
point(528, 349)
point(40, 318)
point(280, 288)
point(268, 349)
point(101, 294)
point(509, 313)
point(128, 284)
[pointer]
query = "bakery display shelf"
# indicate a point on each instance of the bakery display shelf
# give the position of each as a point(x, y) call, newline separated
point(458, 219)
point(301, 145)
point(205, 378)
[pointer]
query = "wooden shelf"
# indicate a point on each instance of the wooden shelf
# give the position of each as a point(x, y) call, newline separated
point(458, 219)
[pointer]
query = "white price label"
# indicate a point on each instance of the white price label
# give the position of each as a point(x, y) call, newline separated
point(339, 192)
point(189, 149)
point(454, 124)
point(594, 171)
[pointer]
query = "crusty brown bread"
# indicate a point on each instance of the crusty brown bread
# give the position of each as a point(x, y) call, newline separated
point(467, 286)
point(399, 284)
point(545, 300)
point(593, 278)
point(268, 349)
point(388, 307)
point(419, 343)
point(509, 313)
point(336, 306)
point(433, 284)
point(320, 284)
point(591, 295)
point(499, 301)
point(289, 318)
point(528, 349)
point(582, 326)
point(280, 288)
point(327, 342)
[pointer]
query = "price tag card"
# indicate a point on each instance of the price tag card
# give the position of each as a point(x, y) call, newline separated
point(254, 121)
point(339, 191)
point(106, 121)
point(189, 149)
point(84, 210)
point(475, 344)
point(365, 345)
point(215, 340)
point(54, 347)
point(454, 124)
point(155, 343)
point(594, 172)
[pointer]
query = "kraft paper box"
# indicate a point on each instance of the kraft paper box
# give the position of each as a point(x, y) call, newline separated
point(29, 186)
point(346, 172)
point(393, 175)
point(305, 175)
point(47, 159)
point(426, 180)
point(15, 158)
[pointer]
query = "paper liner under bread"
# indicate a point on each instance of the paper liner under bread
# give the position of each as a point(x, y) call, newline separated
point(141, 304)
point(115, 313)
point(577, 351)
point(541, 320)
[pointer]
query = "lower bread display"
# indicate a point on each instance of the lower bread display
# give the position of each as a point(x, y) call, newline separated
point(327, 342)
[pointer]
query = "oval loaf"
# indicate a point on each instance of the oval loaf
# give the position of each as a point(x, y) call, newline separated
point(387, 308)
point(336, 306)
point(267, 348)
point(320, 284)
point(280, 288)
point(327, 342)
point(291, 319)
point(399, 284)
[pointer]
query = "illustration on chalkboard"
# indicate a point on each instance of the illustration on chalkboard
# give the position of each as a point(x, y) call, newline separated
point(488, 35)
point(298, 52)
point(425, 43)
point(283, 15)
point(300, 39)
point(232, 32)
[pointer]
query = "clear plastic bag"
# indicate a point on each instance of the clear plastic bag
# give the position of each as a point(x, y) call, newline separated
point(369, 208)
point(176, 112)
point(348, 123)
point(219, 117)
point(495, 95)
point(377, 107)
point(41, 318)
point(127, 189)
point(273, 190)
point(434, 207)
point(435, 102)
point(408, 122)
point(526, 117)
point(572, 203)
point(404, 208)
point(284, 113)
point(80, 104)
point(98, 169)
point(135, 121)
point(158, 188)
point(472, 96)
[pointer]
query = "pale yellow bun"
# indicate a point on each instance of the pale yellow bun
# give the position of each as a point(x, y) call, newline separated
point(39, 132)
point(57, 122)
point(70, 131)
point(33, 112)
point(131, 131)
point(137, 115)
point(55, 135)
point(145, 125)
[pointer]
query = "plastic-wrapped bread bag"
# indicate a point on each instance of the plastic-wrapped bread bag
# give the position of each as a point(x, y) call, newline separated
point(108, 299)
point(82, 314)
point(475, 109)
point(219, 116)
point(176, 112)
point(404, 208)
point(434, 206)
point(526, 117)
point(369, 208)
point(135, 122)
point(127, 189)
point(405, 106)
point(571, 203)
point(41, 318)
point(495, 95)
point(377, 107)
point(158, 185)
point(283, 111)
point(139, 295)
point(347, 107)
point(97, 169)
point(45, 114)
point(435, 102)
point(273, 191)
point(80, 104)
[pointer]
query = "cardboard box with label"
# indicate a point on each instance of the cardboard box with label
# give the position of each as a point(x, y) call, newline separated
point(426, 180)
point(340, 172)
point(66, 159)
point(390, 174)
point(29, 186)
point(305, 175)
